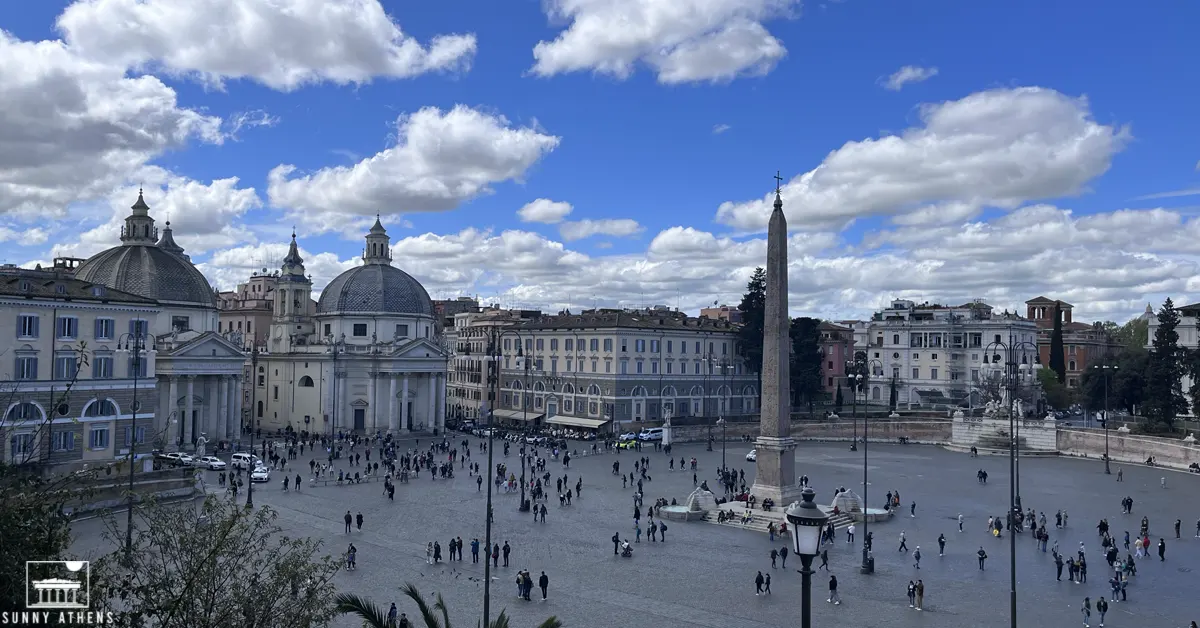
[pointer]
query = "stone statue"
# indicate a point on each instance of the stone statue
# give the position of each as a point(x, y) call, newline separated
point(1020, 409)
point(374, 339)
point(1189, 439)
point(201, 444)
point(1124, 429)
point(958, 415)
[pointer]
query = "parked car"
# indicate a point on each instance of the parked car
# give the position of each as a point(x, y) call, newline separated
point(752, 456)
point(212, 463)
point(177, 459)
point(654, 433)
point(244, 460)
point(629, 436)
point(260, 474)
point(627, 444)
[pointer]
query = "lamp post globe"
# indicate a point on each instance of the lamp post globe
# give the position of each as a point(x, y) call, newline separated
point(807, 522)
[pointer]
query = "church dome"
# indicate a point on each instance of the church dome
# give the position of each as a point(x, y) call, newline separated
point(375, 288)
point(148, 267)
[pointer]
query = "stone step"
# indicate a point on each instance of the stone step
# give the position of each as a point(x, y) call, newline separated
point(760, 524)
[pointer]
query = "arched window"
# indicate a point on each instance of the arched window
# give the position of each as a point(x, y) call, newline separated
point(723, 391)
point(100, 407)
point(593, 390)
point(306, 382)
point(697, 391)
point(515, 384)
point(669, 391)
point(260, 409)
point(639, 391)
point(568, 389)
point(539, 387)
point(749, 391)
point(24, 412)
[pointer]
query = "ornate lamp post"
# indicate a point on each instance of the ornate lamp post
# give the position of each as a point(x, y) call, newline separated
point(1108, 371)
point(854, 379)
point(133, 343)
point(808, 522)
point(868, 566)
point(253, 410)
point(493, 381)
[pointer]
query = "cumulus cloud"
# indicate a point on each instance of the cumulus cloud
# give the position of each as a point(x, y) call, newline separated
point(229, 267)
point(681, 41)
point(580, 229)
point(545, 211)
point(908, 74)
point(998, 148)
point(283, 44)
point(441, 159)
point(26, 237)
point(73, 128)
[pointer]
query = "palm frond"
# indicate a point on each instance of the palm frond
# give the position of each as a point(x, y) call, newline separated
point(440, 605)
point(427, 613)
point(501, 620)
point(552, 622)
point(371, 614)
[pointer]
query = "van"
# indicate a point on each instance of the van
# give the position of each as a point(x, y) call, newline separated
point(243, 460)
point(653, 433)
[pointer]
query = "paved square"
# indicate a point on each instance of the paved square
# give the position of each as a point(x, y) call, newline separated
point(703, 575)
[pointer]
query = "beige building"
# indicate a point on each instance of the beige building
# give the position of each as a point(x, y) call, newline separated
point(722, 312)
point(366, 358)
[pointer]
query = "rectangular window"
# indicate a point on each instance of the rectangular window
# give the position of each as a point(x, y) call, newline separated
point(539, 344)
point(568, 366)
point(669, 366)
point(916, 356)
point(933, 356)
point(569, 345)
point(697, 364)
point(402, 331)
point(553, 365)
point(554, 344)
point(624, 367)
point(360, 330)
point(507, 344)
point(139, 328)
point(896, 373)
point(608, 344)
point(275, 393)
point(974, 375)
point(328, 328)
point(683, 347)
point(697, 348)
point(105, 328)
point(181, 323)
point(102, 367)
point(710, 348)
point(639, 346)
point(895, 339)
point(654, 367)
point(138, 366)
point(63, 441)
point(594, 365)
point(608, 366)
point(27, 326)
point(916, 373)
point(64, 367)
point(594, 344)
point(537, 365)
point(528, 345)
point(98, 438)
point(997, 340)
point(933, 374)
point(724, 348)
point(67, 328)
point(670, 346)
point(1070, 349)
point(638, 367)
point(27, 368)
point(654, 346)
point(624, 345)
point(20, 445)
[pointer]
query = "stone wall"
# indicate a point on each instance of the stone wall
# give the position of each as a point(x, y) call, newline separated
point(989, 433)
point(933, 432)
point(1167, 452)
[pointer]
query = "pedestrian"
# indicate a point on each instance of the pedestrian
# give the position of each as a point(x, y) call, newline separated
point(348, 519)
point(767, 584)
point(903, 542)
point(833, 592)
point(920, 594)
point(1163, 481)
point(960, 522)
point(783, 552)
point(824, 560)
point(391, 616)
point(912, 594)
point(758, 583)
point(982, 557)
point(917, 557)
point(941, 545)
point(543, 584)
point(507, 550)
point(1086, 609)
point(475, 550)
point(1162, 550)
point(359, 520)
point(429, 553)
point(616, 539)
point(850, 532)
point(1102, 609)
point(1178, 522)
point(774, 555)
point(495, 555)
point(912, 510)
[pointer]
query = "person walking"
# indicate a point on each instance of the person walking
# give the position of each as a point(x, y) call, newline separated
point(824, 560)
point(920, 594)
point(507, 551)
point(960, 522)
point(348, 519)
point(941, 545)
point(475, 550)
point(758, 584)
point(616, 539)
point(834, 598)
point(850, 532)
point(1086, 609)
point(767, 584)
point(1101, 609)
point(1162, 550)
point(982, 557)
point(359, 520)
point(495, 555)
point(544, 584)
point(783, 552)
point(912, 510)
point(774, 556)
point(917, 557)
point(903, 542)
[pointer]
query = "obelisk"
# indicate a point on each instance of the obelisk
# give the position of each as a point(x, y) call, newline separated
point(776, 476)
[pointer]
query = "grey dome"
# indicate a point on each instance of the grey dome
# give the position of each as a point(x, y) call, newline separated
point(149, 271)
point(375, 288)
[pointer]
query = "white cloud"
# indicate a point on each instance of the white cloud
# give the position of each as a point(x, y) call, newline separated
point(283, 44)
point(580, 229)
point(26, 237)
point(249, 120)
point(720, 128)
point(996, 148)
point(682, 41)
point(441, 159)
point(1171, 194)
point(545, 211)
point(908, 74)
point(72, 128)
point(229, 267)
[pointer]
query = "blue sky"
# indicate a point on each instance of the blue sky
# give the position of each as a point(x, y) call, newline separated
point(1001, 172)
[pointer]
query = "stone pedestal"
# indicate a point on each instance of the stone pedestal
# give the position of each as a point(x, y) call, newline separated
point(776, 474)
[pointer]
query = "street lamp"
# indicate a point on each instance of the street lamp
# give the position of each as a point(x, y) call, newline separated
point(1107, 370)
point(875, 367)
point(721, 422)
point(808, 522)
point(133, 343)
point(493, 380)
point(854, 379)
point(253, 391)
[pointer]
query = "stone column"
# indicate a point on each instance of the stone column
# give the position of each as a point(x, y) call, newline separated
point(431, 421)
point(223, 411)
point(189, 408)
point(372, 397)
point(234, 429)
point(392, 417)
point(440, 401)
point(172, 433)
point(405, 420)
point(345, 422)
point(776, 475)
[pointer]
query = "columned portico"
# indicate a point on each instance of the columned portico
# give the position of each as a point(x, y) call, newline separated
point(393, 419)
point(373, 399)
point(431, 417)
point(404, 418)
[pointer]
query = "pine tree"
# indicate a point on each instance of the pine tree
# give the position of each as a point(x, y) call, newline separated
point(892, 396)
point(1058, 358)
point(753, 308)
point(1164, 399)
point(837, 400)
point(805, 365)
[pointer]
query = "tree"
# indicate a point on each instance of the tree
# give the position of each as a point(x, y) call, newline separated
point(837, 400)
point(892, 395)
point(436, 616)
point(805, 368)
point(1134, 334)
point(1057, 394)
point(1164, 383)
point(226, 566)
point(753, 308)
point(1058, 358)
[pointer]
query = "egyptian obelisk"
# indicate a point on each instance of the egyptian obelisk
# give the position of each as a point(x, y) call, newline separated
point(776, 476)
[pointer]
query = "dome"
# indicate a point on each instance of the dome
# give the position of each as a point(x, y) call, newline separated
point(373, 288)
point(148, 267)
point(149, 271)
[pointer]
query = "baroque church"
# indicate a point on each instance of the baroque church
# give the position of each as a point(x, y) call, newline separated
point(367, 359)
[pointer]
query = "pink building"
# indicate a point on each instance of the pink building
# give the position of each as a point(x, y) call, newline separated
point(837, 346)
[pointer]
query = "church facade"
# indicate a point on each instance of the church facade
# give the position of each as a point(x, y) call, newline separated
point(367, 358)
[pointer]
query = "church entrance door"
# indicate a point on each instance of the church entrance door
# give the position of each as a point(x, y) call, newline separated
point(360, 419)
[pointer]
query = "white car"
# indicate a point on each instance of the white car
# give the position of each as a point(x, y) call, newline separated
point(243, 460)
point(212, 463)
point(752, 456)
point(629, 436)
point(260, 474)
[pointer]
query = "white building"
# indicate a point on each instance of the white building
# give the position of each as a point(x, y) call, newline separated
point(938, 354)
point(1189, 335)
point(368, 359)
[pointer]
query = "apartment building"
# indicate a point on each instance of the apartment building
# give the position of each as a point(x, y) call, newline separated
point(837, 348)
point(1083, 343)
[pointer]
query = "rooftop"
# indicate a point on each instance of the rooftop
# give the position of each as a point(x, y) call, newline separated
point(48, 284)
point(629, 319)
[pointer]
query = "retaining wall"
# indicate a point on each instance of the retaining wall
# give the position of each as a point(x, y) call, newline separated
point(1167, 452)
point(933, 432)
point(989, 433)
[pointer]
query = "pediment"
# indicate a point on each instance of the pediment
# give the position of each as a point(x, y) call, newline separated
point(359, 403)
point(420, 349)
point(208, 345)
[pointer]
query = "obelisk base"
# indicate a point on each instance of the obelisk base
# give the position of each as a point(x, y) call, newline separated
point(776, 471)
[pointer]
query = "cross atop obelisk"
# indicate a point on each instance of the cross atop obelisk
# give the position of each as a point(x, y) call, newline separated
point(776, 467)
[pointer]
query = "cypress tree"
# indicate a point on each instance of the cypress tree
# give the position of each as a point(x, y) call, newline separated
point(1058, 360)
point(837, 400)
point(892, 396)
point(753, 308)
point(1164, 399)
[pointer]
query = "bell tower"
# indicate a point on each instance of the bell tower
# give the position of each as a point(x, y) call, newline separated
point(139, 226)
point(378, 250)
point(293, 296)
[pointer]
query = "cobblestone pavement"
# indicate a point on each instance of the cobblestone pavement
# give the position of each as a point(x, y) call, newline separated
point(703, 575)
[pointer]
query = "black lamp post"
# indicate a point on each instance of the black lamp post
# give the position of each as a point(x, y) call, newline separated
point(808, 522)
point(721, 422)
point(1107, 370)
point(133, 343)
point(853, 377)
point(253, 410)
point(876, 368)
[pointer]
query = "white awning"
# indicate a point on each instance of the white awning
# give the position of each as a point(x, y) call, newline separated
point(571, 421)
point(517, 415)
